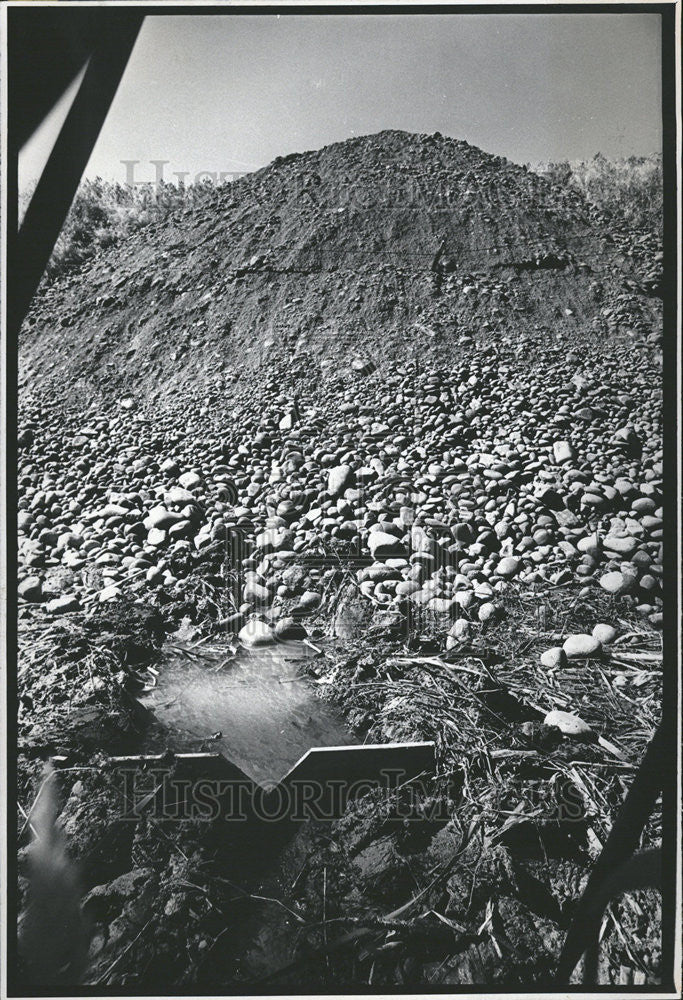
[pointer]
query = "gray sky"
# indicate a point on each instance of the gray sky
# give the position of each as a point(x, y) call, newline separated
point(230, 93)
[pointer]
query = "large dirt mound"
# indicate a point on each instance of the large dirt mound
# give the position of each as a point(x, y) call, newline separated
point(395, 242)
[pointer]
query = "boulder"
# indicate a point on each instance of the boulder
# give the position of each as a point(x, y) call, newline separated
point(161, 518)
point(581, 646)
point(190, 480)
point(31, 589)
point(623, 545)
point(605, 634)
point(63, 605)
point(507, 566)
point(382, 545)
point(178, 495)
point(307, 603)
point(489, 612)
point(255, 593)
point(617, 583)
point(554, 657)
point(289, 628)
point(256, 633)
point(563, 452)
point(570, 725)
point(339, 479)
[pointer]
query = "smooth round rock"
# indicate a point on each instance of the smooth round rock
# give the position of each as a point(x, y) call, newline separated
point(289, 628)
point(582, 646)
point(461, 629)
point(110, 594)
point(31, 589)
point(554, 657)
point(563, 452)
point(339, 479)
point(178, 495)
point(63, 605)
point(604, 633)
point(256, 593)
point(308, 602)
point(623, 545)
point(489, 612)
point(256, 633)
point(570, 725)
point(190, 480)
point(161, 518)
point(382, 544)
point(156, 537)
point(617, 583)
point(507, 567)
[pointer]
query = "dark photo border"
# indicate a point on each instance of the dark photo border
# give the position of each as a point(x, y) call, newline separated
point(29, 24)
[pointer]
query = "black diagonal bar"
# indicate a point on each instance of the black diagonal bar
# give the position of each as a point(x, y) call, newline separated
point(60, 178)
point(620, 845)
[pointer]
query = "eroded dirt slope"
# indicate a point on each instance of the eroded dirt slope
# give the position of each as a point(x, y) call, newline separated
point(392, 240)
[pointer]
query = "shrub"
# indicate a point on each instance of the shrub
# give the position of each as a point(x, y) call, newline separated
point(104, 212)
point(629, 188)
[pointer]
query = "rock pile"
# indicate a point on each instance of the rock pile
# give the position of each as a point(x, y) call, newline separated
point(499, 424)
point(437, 488)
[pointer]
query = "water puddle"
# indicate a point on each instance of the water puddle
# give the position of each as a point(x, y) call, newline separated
point(252, 705)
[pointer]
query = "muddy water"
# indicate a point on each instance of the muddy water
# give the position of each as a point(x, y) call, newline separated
point(253, 706)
